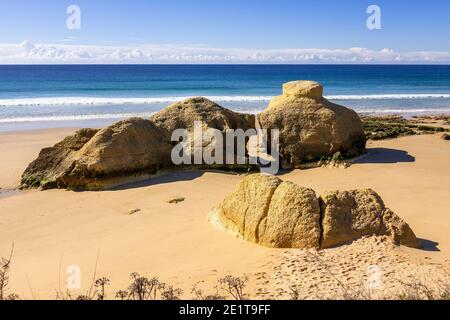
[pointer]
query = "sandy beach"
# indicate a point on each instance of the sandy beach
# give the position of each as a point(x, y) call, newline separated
point(52, 230)
point(217, 158)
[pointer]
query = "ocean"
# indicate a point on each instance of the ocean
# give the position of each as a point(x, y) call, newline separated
point(46, 96)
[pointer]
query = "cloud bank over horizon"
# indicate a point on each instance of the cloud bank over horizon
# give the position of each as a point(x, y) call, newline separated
point(31, 53)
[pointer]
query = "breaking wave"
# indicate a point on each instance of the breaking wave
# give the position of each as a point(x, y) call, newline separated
point(62, 101)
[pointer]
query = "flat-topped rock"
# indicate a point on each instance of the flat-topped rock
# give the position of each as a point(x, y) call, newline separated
point(310, 89)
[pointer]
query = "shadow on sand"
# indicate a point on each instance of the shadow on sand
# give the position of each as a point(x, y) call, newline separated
point(429, 245)
point(165, 178)
point(385, 155)
point(373, 156)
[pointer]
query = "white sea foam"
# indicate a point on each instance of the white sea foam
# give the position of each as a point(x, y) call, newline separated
point(59, 101)
point(254, 108)
point(407, 96)
point(75, 117)
point(405, 111)
point(62, 101)
point(87, 117)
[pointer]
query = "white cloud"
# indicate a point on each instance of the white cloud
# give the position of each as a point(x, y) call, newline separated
point(27, 52)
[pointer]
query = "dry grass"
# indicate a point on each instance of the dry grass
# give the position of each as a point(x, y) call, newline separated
point(234, 288)
point(5, 268)
point(143, 288)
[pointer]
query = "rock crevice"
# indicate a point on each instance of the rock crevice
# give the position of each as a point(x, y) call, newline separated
point(263, 220)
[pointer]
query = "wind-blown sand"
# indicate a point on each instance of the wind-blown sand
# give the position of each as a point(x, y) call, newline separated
point(54, 229)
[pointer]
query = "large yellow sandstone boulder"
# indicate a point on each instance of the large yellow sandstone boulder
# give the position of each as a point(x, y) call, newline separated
point(349, 215)
point(398, 230)
point(243, 211)
point(182, 115)
point(128, 150)
point(310, 126)
point(53, 163)
point(293, 218)
point(272, 213)
point(96, 160)
point(267, 211)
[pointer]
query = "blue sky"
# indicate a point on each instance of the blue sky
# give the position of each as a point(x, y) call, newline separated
point(407, 26)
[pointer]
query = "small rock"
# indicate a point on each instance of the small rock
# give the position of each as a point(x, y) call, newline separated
point(445, 136)
point(176, 200)
point(131, 212)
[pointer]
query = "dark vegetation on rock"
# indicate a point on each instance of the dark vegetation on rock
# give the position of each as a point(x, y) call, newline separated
point(393, 126)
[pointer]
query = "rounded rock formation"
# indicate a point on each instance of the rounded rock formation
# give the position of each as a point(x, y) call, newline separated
point(185, 114)
point(310, 126)
point(182, 115)
point(398, 230)
point(129, 150)
point(267, 211)
point(53, 163)
point(97, 159)
point(293, 218)
point(349, 215)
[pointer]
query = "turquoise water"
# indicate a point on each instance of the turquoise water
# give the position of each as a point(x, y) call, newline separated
point(49, 96)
